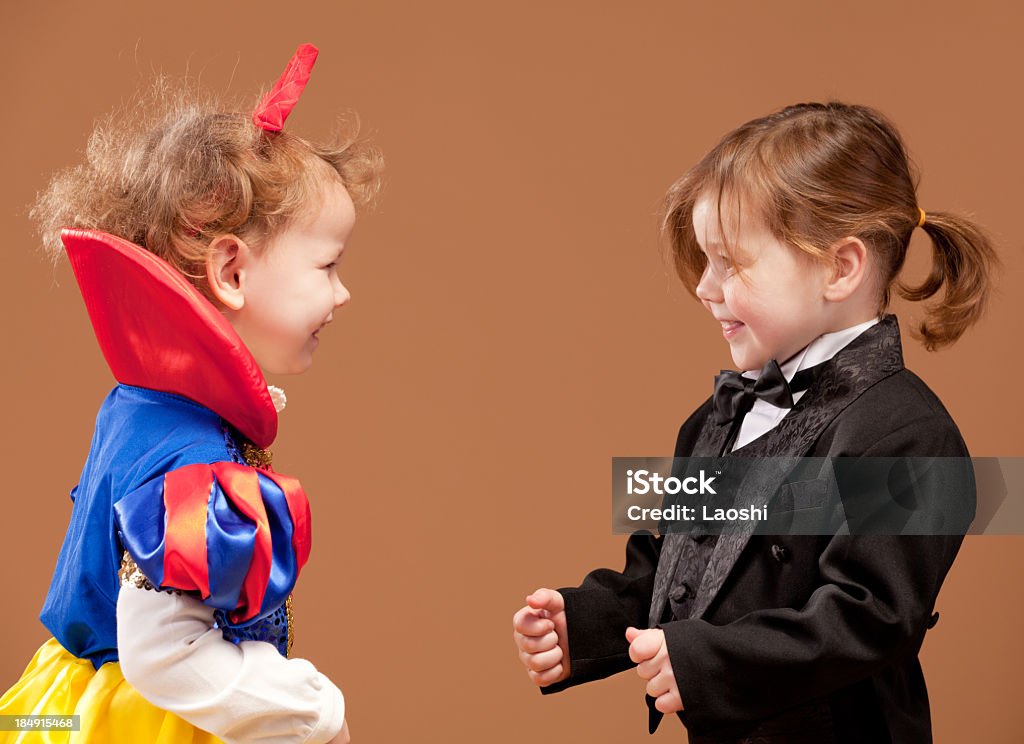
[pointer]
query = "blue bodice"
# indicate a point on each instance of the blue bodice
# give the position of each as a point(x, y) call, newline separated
point(139, 435)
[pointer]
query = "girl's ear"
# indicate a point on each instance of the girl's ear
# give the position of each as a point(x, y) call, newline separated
point(849, 269)
point(225, 270)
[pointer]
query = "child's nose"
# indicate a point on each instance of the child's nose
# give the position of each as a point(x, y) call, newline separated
point(341, 294)
point(709, 288)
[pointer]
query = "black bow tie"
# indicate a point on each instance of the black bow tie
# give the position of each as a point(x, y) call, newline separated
point(735, 395)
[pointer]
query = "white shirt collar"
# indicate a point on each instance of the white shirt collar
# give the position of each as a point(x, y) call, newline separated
point(822, 348)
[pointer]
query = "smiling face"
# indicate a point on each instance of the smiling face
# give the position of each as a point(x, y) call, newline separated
point(292, 287)
point(768, 296)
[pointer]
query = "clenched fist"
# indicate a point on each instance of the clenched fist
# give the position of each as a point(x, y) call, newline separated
point(647, 648)
point(540, 634)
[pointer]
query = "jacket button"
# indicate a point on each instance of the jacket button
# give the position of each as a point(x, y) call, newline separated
point(681, 592)
point(933, 621)
point(780, 553)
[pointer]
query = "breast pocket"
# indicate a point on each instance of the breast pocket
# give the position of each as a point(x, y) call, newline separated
point(809, 494)
point(810, 507)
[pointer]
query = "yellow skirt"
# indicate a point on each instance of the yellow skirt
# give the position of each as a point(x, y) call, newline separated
point(110, 710)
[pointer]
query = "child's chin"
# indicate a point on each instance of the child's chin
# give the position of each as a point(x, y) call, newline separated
point(289, 367)
point(746, 361)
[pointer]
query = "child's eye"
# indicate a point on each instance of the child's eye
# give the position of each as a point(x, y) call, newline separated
point(330, 266)
point(722, 264)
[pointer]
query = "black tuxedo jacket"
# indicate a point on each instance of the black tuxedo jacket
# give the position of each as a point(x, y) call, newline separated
point(796, 638)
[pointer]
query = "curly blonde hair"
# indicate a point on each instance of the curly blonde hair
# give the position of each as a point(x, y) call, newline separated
point(174, 169)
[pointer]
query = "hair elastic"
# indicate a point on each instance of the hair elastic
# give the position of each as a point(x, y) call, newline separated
point(920, 222)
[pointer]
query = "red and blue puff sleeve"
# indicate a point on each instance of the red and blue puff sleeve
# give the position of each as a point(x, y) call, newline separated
point(237, 534)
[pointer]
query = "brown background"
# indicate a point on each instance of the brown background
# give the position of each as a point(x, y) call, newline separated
point(513, 324)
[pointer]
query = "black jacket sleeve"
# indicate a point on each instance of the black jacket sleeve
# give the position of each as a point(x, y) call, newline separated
point(600, 609)
point(607, 602)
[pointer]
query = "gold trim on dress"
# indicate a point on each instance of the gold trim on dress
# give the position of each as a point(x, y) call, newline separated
point(131, 575)
point(289, 613)
point(256, 457)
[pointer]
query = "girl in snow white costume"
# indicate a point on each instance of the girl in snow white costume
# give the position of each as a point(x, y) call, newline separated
point(205, 244)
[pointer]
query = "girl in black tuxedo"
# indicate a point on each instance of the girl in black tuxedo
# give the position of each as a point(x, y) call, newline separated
point(791, 232)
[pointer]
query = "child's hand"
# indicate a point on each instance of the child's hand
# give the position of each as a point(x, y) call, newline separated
point(539, 631)
point(647, 648)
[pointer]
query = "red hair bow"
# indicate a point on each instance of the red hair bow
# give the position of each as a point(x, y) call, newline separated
point(279, 102)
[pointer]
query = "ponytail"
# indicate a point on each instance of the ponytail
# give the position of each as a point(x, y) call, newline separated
point(964, 261)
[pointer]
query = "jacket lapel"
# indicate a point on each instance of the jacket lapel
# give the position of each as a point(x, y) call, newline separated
point(869, 358)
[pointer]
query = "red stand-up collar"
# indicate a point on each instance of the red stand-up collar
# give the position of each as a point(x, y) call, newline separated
point(157, 331)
